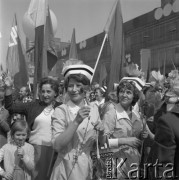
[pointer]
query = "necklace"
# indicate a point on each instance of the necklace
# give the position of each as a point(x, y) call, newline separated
point(48, 109)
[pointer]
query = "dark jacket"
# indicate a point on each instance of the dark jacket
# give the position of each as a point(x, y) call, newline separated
point(4, 126)
point(31, 109)
point(166, 145)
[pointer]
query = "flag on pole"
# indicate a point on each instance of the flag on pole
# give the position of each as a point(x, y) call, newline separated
point(145, 61)
point(15, 60)
point(37, 12)
point(40, 53)
point(73, 49)
point(103, 75)
point(114, 30)
point(51, 50)
point(45, 56)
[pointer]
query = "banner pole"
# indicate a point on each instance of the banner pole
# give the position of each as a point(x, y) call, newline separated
point(99, 55)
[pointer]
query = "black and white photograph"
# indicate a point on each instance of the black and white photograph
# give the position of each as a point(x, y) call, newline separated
point(89, 89)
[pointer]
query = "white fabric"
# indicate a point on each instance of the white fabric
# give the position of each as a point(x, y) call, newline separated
point(61, 119)
point(42, 132)
point(37, 12)
point(138, 82)
point(113, 143)
point(98, 103)
point(78, 69)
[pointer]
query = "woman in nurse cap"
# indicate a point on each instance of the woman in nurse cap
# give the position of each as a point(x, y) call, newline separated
point(74, 126)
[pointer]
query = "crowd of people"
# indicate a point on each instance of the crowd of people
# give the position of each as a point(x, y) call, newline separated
point(75, 130)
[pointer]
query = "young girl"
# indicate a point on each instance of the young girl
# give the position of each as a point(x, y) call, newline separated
point(18, 155)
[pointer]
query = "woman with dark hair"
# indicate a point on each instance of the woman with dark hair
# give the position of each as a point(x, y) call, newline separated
point(73, 127)
point(124, 130)
point(38, 116)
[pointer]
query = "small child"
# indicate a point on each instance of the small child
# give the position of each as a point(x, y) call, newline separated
point(18, 155)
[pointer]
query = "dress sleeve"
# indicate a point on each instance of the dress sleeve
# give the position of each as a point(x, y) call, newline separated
point(109, 119)
point(59, 123)
point(20, 107)
point(4, 121)
point(1, 159)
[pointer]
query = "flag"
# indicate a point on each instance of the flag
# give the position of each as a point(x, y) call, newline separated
point(145, 61)
point(45, 56)
point(114, 30)
point(51, 50)
point(40, 53)
point(37, 12)
point(73, 49)
point(36, 15)
point(103, 75)
point(53, 71)
point(15, 60)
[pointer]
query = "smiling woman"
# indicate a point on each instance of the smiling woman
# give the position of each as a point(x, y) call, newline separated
point(72, 126)
point(38, 115)
point(124, 129)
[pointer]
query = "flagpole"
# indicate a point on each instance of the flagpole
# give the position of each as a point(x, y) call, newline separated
point(173, 64)
point(99, 55)
point(29, 87)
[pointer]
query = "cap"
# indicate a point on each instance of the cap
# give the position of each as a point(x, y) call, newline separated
point(104, 89)
point(78, 69)
point(138, 82)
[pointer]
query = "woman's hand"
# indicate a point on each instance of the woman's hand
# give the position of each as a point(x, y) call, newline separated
point(144, 134)
point(20, 152)
point(132, 141)
point(7, 175)
point(7, 80)
point(98, 126)
point(82, 114)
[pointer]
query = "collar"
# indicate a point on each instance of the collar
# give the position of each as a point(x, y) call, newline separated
point(73, 108)
point(175, 109)
point(100, 102)
point(121, 113)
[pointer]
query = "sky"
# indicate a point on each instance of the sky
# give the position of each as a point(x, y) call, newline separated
point(88, 17)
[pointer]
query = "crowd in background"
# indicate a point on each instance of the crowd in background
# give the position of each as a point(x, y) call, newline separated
point(54, 136)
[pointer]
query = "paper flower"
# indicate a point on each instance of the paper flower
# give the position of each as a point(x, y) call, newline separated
point(132, 70)
point(173, 79)
point(72, 62)
point(156, 76)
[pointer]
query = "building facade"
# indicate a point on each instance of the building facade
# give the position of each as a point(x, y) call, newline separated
point(156, 31)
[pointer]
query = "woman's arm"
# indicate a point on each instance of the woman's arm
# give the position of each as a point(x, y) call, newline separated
point(151, 135)
point(65, 137)
point(62, 132)
point(28, 159)
point(109, 119)
point(20, 107)
point(4, 122)
point(131, 141)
